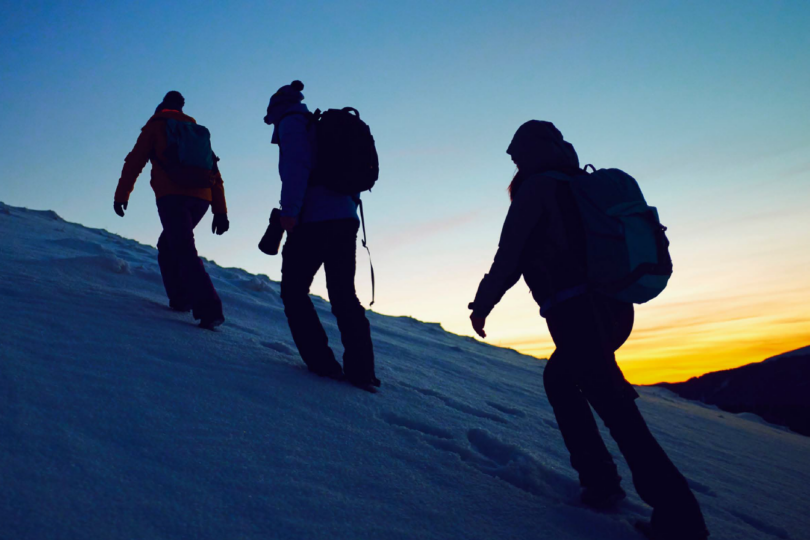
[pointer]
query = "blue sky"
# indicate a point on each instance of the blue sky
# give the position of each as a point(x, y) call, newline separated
point(705, 103)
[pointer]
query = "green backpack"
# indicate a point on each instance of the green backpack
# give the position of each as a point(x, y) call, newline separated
point(627, 247)
point(188, 159)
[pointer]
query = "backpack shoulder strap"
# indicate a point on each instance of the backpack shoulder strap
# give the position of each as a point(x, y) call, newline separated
point(365, 245)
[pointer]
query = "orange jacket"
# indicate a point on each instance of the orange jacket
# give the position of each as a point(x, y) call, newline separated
point(151, 143)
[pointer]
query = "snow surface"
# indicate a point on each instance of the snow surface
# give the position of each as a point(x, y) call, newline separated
point(122, 419)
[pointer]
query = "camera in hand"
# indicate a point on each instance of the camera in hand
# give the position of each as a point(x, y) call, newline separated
point(271, 241)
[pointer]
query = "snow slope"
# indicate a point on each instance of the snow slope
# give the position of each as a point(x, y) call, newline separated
point(121, 419)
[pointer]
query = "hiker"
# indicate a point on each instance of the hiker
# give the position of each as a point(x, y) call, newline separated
point(544, 240)
point(186, 181)
point(322, 227)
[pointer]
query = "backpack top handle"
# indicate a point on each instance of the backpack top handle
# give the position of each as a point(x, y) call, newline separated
point(585, 168)
point(351, 109)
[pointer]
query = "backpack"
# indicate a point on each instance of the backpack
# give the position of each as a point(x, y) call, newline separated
point(626, 244)
point(345, 155)
point(188, 158)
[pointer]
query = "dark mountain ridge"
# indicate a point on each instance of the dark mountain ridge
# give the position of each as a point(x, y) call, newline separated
point(777, 389)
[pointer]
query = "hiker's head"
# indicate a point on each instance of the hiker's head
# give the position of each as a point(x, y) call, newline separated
point(289, 94)
point(539, 146)
point(173, 100)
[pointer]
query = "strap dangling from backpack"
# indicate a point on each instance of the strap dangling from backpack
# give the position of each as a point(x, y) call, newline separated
point(365, 245)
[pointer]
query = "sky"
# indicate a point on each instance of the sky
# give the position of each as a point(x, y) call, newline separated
point(706, 104)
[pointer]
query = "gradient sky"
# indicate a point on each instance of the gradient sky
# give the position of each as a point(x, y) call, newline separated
point(707, 104)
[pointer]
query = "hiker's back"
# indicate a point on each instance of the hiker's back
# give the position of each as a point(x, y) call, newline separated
point(297, 143)
point(554, 256)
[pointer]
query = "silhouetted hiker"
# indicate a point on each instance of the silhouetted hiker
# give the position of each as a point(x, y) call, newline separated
point(186, 181)
point(544, 240)
point(322, 227)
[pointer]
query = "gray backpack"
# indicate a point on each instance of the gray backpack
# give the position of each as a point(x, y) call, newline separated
point(627, 247)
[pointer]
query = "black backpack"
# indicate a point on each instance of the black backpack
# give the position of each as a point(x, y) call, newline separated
point(345, 156)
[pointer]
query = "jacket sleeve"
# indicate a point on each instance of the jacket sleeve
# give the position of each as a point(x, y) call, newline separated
point(524, 214)
point(134, 163)
point(294, 163)
point(218, 205)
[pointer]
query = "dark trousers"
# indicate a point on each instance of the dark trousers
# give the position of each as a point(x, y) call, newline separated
point(332, 244)
point(587, 331)
point(187, 283)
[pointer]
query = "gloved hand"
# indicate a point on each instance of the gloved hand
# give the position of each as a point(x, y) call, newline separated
point(119, 208)
point(288, 223)
point(478, 325)
point(220, 224)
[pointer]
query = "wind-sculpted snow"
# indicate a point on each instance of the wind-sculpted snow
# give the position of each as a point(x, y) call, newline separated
point(121, 420)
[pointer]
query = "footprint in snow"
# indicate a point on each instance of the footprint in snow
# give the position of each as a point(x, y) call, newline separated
point(760, 525)
point(279, 347)
point(511, 464)
point(457, 405)
point(416, 425)
point(507, 410)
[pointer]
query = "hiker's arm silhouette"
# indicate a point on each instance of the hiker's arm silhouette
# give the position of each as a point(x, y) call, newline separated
point(294, 166)
point(218, 205)
point(134, 163)
point(524, 213)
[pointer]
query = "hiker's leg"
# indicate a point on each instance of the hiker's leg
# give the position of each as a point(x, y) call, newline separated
point(207, 304)
point(355, 331)
point(657, 480)
point(170, 272)
point(589, 455)
point(179, 215)
point(301, 259)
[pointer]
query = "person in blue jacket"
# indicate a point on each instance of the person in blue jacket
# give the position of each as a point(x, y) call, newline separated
point(321, 227)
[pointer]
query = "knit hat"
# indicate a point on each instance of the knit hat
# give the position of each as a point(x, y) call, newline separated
point(173, 100)
point(546, 138)
point(287, 95)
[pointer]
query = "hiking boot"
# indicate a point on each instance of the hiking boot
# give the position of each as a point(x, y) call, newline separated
point(368, 384)
point(656, 533)
point(182, 308)
point(335, 374)
point(210, 324)
point(602, 497)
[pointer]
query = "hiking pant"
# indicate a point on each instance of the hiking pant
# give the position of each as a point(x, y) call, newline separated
point(332, 244)
point(184, 277)
point(587, 330)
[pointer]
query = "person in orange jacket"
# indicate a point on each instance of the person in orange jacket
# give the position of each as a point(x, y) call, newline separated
point(180, 208)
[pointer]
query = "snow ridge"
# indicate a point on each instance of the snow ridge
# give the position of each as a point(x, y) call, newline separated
point(121, 419)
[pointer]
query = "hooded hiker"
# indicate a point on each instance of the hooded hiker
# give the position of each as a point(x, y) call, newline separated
point(588, 246)
point(186, 181)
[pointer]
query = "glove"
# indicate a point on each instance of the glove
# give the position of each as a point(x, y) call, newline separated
point(220, 224)
point(119, 208)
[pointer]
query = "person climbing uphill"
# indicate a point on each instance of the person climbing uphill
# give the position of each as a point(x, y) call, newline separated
point(186, 181)
point(544, 241)
point(322, 226)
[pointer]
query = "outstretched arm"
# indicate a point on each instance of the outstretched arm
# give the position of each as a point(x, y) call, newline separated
point(524, 213)
point(294, 163)
point(134, 164)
